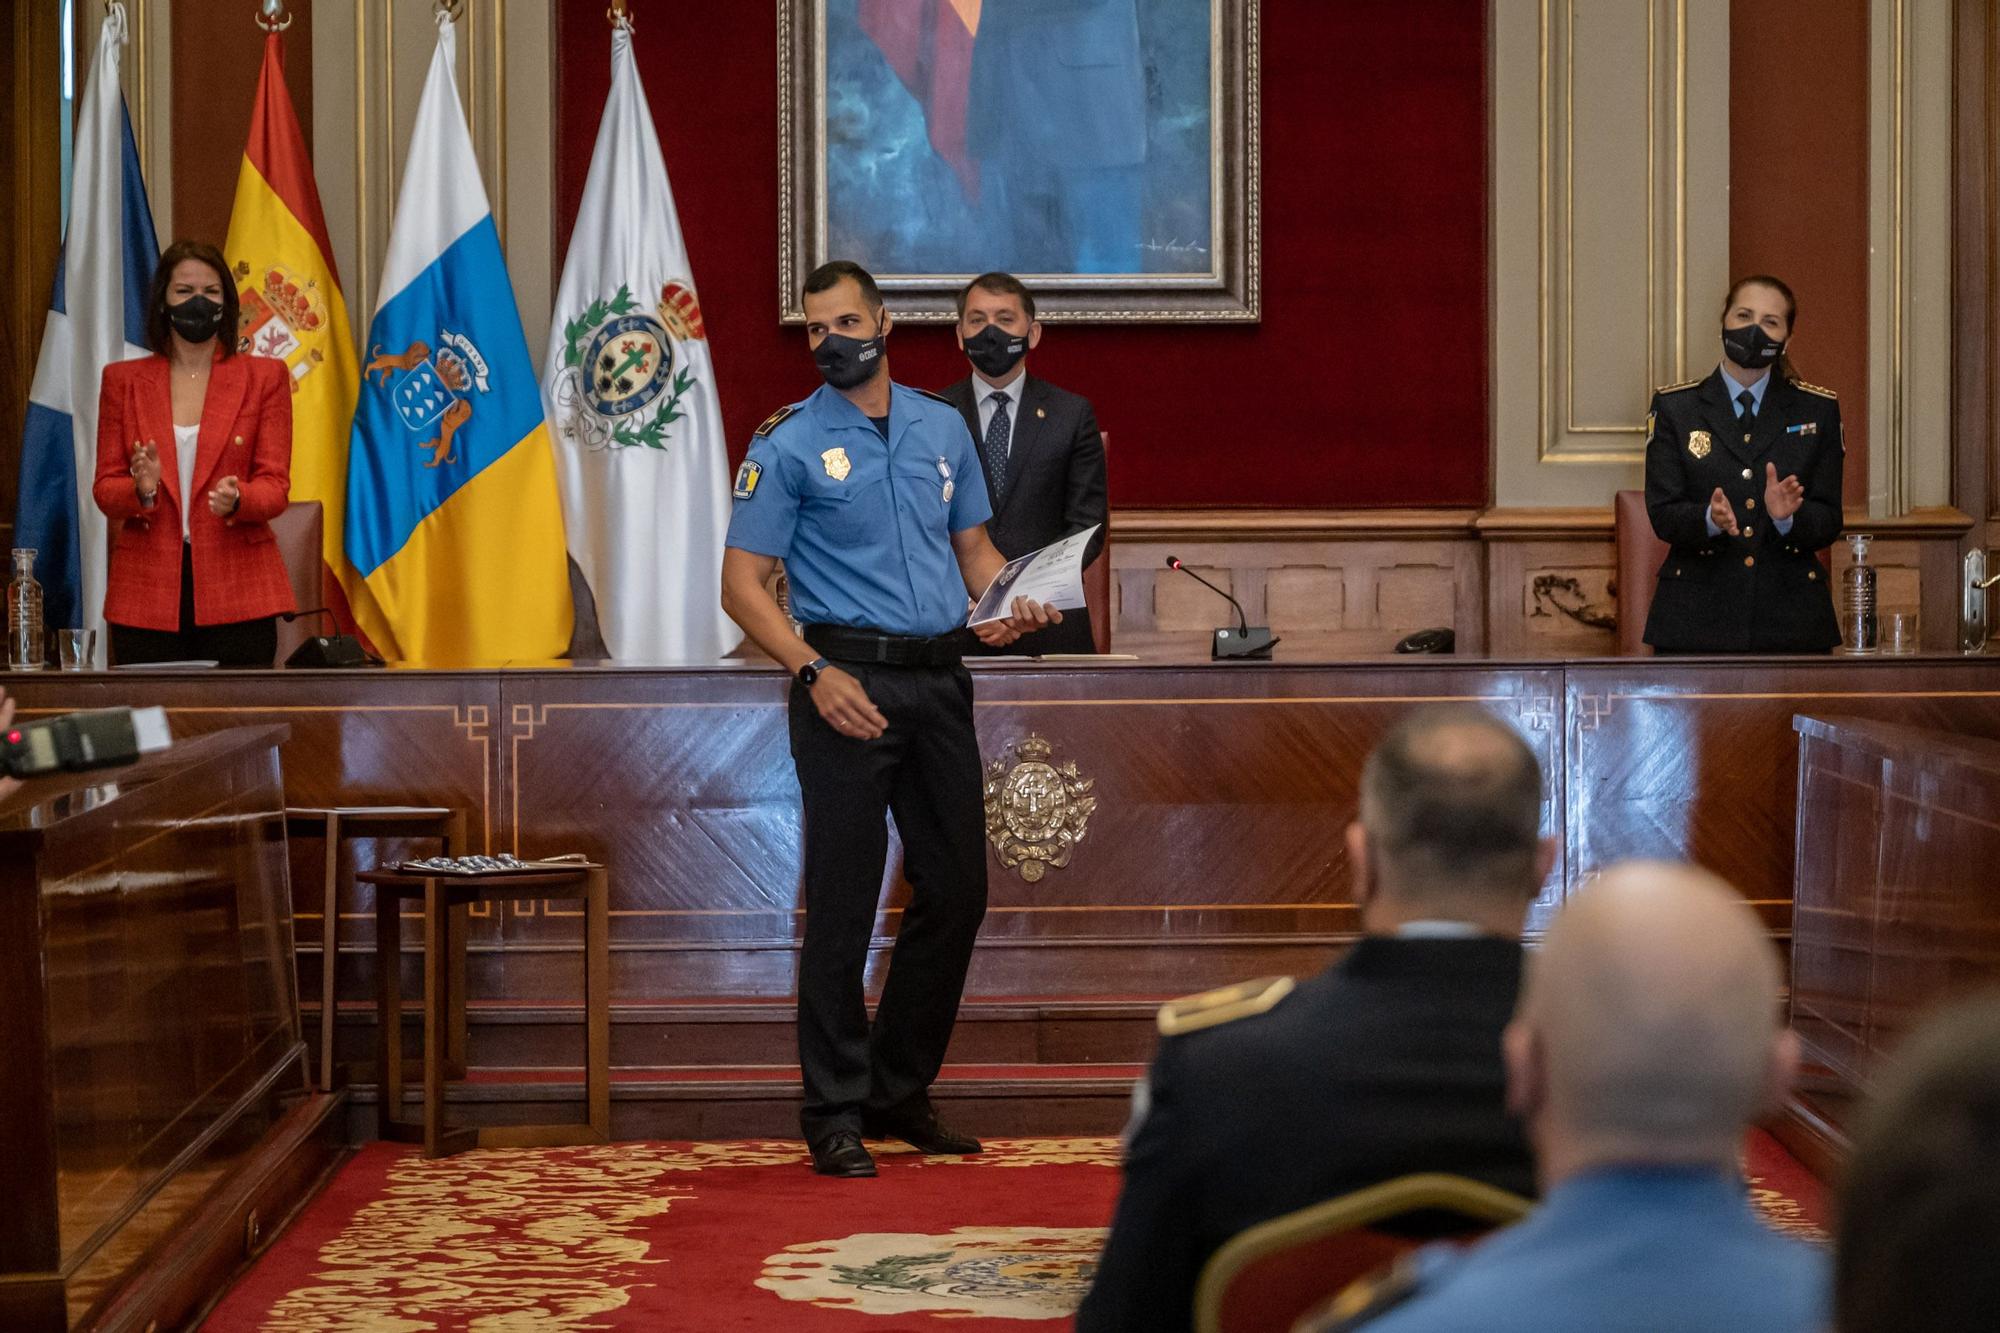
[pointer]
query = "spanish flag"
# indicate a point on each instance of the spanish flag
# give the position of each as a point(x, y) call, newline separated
point(292, 310)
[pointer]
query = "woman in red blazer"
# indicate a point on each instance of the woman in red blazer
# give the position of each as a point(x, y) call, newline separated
point(194, 456)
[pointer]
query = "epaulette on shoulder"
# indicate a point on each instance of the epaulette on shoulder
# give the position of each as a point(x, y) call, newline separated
point(775, 420)
point(1814, 388)
point(1213, 1008)
point(1682, 386)
point(935, 396)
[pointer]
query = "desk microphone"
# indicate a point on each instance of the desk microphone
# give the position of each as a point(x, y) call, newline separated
point(78, 741)
point(1246, 640)
point(327, 650)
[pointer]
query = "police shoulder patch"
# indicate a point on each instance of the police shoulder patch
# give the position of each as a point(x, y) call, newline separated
point(775, 420)
point(935, 396)
point(1245, 999)
point(1816, 389)
point(1681, 387)
point(747, 478)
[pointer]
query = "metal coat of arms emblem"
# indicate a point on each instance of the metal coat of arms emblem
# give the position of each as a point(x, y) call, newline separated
point(1036, 811)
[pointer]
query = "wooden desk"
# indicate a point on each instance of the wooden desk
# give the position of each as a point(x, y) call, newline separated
point(154, 1091)
point(1896, 907)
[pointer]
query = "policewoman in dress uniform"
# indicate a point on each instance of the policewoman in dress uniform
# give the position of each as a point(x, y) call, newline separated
point(1743, 480)
point(871, 494)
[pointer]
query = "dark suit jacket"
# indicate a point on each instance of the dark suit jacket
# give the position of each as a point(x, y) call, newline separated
point(1386, 1064)
point(1058, 81)
point(1055, 486)
point(1761, 592)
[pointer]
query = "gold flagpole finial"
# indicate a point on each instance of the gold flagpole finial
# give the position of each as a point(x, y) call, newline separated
point(620, 14)
point(272, 16)
point(451, 9)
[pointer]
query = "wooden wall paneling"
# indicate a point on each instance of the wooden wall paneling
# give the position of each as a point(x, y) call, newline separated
point(1548, 573)
point(1329, 583)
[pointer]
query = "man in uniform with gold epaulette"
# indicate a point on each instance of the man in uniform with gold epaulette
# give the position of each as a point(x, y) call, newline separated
point(1271, 1096)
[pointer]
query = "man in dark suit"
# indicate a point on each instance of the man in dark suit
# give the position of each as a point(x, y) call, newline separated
point(1056, 116)
point(1038, 445)
point(1269, 1096)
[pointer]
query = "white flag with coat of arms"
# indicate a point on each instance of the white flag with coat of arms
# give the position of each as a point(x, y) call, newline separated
point(630, 391)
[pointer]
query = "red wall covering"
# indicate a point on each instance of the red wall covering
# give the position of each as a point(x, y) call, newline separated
point(1365, 385)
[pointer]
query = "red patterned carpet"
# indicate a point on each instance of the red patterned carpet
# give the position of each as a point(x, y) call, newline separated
point(722, 1236)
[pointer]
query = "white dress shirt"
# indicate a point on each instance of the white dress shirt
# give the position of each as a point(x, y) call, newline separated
point(185, 438)
point(987, 408)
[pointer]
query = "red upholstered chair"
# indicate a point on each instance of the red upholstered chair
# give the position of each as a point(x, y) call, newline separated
point(1263, 1280)
point(1640, 553)
point(1097, 577)
point(298, 532)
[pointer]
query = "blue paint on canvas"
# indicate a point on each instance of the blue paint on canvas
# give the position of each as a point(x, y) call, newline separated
point(1079, 142)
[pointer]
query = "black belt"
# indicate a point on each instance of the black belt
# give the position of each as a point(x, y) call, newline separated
point(845, 644)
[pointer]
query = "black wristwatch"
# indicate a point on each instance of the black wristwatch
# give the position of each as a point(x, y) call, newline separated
point(809, 673)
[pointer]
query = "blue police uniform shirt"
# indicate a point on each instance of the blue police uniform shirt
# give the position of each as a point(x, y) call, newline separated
point(1628, 1248)
point(871, 548)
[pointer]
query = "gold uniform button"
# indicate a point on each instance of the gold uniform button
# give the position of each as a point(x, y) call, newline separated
point(1746, 474)
point(1749, 559)
point(1751, 503)
point(1813, 574)
point(1749, 532)
point(239, 439)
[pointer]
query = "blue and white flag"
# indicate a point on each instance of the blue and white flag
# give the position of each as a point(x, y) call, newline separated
point(452, 516)
point(97, 316)
point(630, 392)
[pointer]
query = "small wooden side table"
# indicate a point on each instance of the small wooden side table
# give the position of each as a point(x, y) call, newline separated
point(441, 894)
point(335, 823)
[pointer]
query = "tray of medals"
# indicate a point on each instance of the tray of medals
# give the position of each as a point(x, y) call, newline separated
point(503, 864)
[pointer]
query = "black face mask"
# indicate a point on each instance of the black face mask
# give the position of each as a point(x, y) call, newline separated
point(995, 351)
point(196, 319)
point(848, 363)
point(1750, 347)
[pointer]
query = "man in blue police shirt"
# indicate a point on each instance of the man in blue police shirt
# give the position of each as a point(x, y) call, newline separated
point(871, 494)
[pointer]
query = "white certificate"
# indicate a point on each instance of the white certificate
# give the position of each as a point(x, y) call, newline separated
point(1052, 576)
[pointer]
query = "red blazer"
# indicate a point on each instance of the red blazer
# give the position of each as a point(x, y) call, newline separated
point(246, 432)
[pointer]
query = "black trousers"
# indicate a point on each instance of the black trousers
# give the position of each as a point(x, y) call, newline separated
point(240, 643)
point(925, 771)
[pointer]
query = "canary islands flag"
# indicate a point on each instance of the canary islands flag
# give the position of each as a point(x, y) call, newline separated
point(293, 309)
point(453, 520)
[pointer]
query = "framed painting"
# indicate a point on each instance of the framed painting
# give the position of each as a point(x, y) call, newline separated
point(1104, 151)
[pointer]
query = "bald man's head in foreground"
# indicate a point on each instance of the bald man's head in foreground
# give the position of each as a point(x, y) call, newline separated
point(1450, 824)
point(1649, 1028)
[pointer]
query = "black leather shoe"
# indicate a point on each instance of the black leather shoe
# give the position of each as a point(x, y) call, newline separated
point(841, 1154)
point(922, 1130)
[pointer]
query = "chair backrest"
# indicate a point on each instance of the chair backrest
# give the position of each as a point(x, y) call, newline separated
point(1097, 577)
point(298, 532)
point(1640, 554)
point(1264, 1279)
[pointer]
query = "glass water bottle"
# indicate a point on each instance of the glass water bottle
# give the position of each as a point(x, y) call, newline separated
point(27, 642)
point(1857, 599)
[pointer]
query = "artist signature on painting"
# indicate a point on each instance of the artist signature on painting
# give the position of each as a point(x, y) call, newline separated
point(1176, 248)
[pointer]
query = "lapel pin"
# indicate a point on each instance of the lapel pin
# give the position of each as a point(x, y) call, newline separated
point(1041, 411)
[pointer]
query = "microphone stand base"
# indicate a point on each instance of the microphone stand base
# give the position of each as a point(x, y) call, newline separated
point(1252, 644)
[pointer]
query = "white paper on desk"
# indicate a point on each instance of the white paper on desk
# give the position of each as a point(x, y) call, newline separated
point(1052, 576)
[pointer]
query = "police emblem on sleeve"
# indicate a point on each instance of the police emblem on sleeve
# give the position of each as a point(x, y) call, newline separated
point(1036, 812)
point(432, 393)
point(625, 373)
